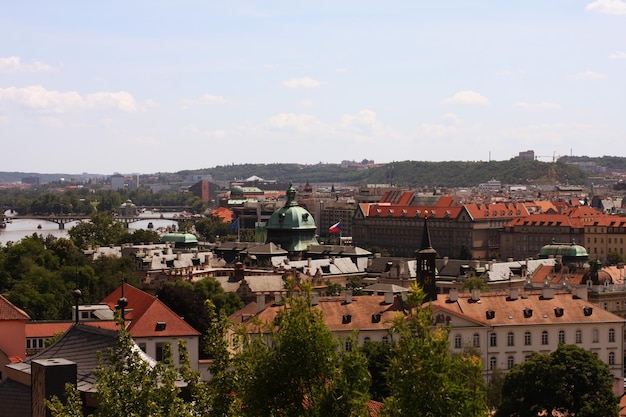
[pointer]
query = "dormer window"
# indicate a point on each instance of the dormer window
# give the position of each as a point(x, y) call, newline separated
point(160, 326)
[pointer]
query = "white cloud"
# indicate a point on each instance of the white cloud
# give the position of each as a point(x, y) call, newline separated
point(204, 99)
point(302, 123)
point(592, 75)
point(451, 118)
point(618, 55)
point(617, 7)
point(38, 98)
point(544, 105)
point(467, 97)
point(14, 64)
point(304, 82)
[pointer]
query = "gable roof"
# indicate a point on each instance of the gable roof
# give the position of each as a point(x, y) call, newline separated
point(15, 399)
point(8, 311)
point(79, 344)
point(145, 311)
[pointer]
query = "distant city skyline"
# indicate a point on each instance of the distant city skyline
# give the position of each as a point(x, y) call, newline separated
point(144, 87)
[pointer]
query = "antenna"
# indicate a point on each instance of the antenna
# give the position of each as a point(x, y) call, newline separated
point(77, 296)
point(122, 303)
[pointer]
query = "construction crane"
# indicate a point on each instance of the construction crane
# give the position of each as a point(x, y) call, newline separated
point(553, 172)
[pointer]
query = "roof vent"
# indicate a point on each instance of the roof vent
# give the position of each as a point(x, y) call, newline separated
point(558, 311)
point(160, 326)
point(588, 311)
point(490, 314)
point(346, 318)
point(528, 313)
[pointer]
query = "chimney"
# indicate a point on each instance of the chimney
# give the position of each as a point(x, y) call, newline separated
point(389, 297)
point(453, 297)
point(547, 293)
point(513, 293)
point(582, 292)
point(475, 294)
point(315, 298)
point(260, 302)
point(348, 294)
point(48, 378)
point(445, 260)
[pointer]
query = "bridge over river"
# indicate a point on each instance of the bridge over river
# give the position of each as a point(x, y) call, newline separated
point(62, 220)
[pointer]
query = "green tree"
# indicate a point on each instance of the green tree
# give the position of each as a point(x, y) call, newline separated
point(100, 230)
point(570, 380)
point(475, 283)
point(377, 354)
point(424, 378)
point(296, 369)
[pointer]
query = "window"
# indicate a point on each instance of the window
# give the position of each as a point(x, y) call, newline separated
point(457, 341)
point(612, 335)
point(142, 346)
point(579, 336)
point(159, 352)
point(348, 345)
point(544, 337)
point(510, 362)
point(561, 337)
point(493, 339)
point(40, 343)
point(27, 343)
point(492, 363)
point(366, 339)
point(385, 339)
point(611, 358)
point(510, 339)
point(476, 340)
point(595, 337)
point(527, 340)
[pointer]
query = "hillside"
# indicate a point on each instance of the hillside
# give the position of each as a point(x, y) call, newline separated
point(409, 173)
point(567, 170)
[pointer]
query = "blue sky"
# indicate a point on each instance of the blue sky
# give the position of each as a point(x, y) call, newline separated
point(154, 86)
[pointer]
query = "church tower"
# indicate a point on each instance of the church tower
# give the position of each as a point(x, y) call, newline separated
point(426, 265)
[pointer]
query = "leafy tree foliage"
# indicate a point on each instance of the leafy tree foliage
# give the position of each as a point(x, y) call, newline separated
point(296, 369)
point(424, 378)
point(140, 236)
point(377, 354)
point(210, 227)
point(570, 380)
point(101, 230)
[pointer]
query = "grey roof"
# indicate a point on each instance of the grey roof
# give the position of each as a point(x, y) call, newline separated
point(327, 266)
point(15, 399)
point(257, 283)
point(385, 288)
point(79, 344)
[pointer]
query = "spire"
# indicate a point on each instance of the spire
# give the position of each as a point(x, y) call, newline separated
point(426, 244)
point(122, 303)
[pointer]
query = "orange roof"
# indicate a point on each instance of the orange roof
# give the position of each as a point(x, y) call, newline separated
point(383, 210)
point(46, 329)
point(496, 210)
point(224, 214)
point(148, 316)
point(8, 311)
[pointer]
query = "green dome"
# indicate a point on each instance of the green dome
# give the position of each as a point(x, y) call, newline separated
point(185, 238)
point(565, 250)
point(291, 216)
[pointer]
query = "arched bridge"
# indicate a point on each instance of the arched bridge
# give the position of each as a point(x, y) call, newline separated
point(63, 220)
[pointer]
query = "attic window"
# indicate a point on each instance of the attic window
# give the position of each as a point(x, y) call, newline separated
point(376, 318)
point(305, 217)
point(390, 212)
point(403, 213)
point(588, 311)
point(418, 212)
point(346, 318)
point(486, 214)
point(558, 311)
point(378, 212)
point(528, 313)
point(160, 326)
point(490, 314)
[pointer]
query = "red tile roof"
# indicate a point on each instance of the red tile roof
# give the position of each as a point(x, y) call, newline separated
point(8, 311)
point(146, 313)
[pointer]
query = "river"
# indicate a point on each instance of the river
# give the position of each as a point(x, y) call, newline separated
point(17, 229)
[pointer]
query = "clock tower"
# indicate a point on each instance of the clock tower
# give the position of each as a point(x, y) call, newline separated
point(426, 265)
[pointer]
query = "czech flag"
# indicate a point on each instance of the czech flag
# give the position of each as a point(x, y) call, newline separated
point(335, 228)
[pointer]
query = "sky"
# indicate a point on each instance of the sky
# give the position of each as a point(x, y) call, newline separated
point(137, 86)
